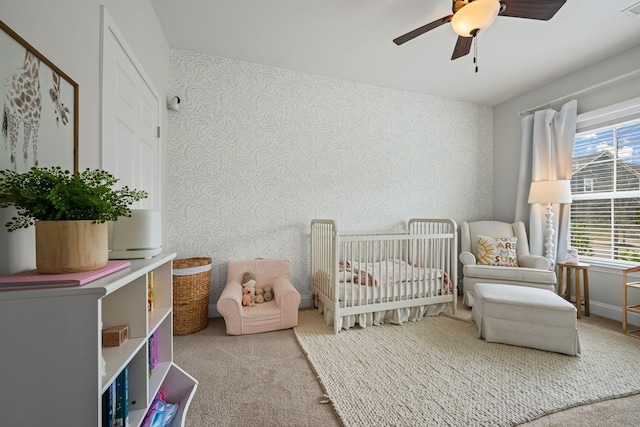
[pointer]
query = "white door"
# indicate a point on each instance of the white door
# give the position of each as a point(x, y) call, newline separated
point(130, 140)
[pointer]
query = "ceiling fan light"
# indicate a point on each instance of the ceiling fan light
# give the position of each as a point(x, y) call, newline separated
point(477, 15)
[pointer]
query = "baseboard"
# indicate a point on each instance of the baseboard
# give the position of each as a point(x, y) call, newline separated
point(306, 301)
point(612, 312)
point(213, 311)
point(600, 309)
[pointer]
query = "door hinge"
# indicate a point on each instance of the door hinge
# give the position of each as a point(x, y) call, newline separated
point(158, 131)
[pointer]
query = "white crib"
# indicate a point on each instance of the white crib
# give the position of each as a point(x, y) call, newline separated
point(371, 278)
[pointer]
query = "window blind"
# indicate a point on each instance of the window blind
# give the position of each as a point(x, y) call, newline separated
point(605, 186)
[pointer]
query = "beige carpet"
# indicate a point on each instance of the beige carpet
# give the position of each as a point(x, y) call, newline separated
point(251, 380)
point(265, 380)
point(436, 372)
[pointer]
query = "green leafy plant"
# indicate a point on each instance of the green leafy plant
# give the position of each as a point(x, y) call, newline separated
point(632, 255)
point(580, 240)
point(53, 194)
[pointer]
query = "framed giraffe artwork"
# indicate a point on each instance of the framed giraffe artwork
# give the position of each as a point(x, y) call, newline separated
point(39, 116)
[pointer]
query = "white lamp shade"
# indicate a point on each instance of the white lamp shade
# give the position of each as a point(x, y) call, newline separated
point(477, 15)
point(558, 191)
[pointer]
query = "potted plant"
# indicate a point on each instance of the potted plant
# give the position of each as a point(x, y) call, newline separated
point(70, 212)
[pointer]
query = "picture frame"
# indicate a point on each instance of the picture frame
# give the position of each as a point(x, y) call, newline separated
point(38, 108)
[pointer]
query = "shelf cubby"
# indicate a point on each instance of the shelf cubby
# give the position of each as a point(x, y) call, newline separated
point(52, 348)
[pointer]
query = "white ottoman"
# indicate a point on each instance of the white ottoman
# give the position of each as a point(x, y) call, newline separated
point(526, 317)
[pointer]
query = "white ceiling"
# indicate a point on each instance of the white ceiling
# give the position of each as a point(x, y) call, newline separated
point(352, 40)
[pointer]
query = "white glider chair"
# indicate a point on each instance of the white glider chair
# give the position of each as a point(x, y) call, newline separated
point(491, 258)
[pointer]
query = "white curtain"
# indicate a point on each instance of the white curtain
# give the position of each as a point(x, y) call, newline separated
point(547, 152)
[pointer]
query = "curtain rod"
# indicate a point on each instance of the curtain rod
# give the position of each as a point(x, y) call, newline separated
point(579, 92)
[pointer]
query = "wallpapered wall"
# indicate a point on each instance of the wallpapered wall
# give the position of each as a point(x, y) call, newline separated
point(256, 152)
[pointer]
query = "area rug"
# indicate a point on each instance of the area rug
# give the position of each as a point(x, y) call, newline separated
point(437, 372)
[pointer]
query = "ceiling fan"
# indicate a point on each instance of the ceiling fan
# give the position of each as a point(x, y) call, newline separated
point(471, 16)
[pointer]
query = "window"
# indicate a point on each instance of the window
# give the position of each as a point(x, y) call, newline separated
point(605, 185)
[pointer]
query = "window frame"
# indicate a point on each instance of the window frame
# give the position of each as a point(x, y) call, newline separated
point(612, 116)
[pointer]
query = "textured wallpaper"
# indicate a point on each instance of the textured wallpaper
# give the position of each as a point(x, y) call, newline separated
point(256, 152)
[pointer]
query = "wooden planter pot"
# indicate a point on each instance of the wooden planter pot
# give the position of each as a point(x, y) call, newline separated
point(70, 246)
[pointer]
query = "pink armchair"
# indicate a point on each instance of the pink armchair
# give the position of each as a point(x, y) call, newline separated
point(279, 313)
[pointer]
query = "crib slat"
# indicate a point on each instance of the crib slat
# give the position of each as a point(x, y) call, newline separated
point(390, 269)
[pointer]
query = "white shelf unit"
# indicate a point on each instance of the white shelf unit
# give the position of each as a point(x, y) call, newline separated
point(628, 308)
point(51, 349)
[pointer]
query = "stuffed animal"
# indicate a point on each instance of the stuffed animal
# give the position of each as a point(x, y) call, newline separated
point(267, 294)
point(248, 282)
point(246, 297)
point(259, 295)
point(247, 276)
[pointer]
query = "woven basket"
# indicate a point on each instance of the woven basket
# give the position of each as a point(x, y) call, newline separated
point(190, 296)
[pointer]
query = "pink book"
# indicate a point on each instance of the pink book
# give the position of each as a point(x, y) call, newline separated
point(31, 279)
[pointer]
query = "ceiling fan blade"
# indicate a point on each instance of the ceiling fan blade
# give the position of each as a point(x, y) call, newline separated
point(532, 9)
point(419, 31)
point(463, 47)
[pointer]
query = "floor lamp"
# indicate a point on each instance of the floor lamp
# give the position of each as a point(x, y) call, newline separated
point(550, 192)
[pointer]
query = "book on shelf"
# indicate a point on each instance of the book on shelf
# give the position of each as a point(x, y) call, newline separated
point(150, 292)
point(153, 352)
point(122, 399)
point(149, 357)
point(126, 396)
point(31, 279)
point(108, 406)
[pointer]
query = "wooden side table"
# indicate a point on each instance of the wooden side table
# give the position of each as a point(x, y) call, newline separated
point(564, 284)
point(626, 307)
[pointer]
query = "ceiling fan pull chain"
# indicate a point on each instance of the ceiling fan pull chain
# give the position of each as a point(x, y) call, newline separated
point(475, 51)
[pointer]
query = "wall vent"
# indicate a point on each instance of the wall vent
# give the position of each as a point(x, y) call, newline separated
point(633, 10)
